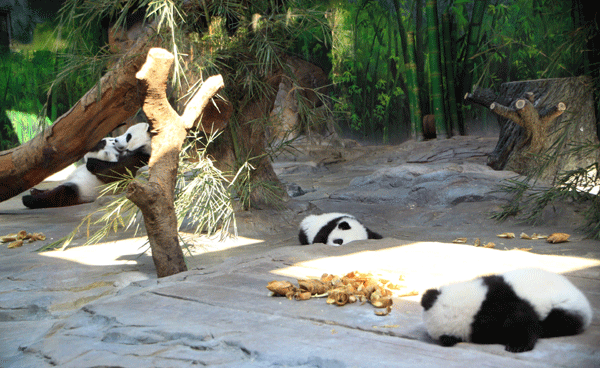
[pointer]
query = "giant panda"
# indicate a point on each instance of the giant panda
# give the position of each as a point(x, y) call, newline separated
point(513, 309)
point(79, 187)
point(137, 137)
point(333, 229)
point(108, 161)
point(135, 148)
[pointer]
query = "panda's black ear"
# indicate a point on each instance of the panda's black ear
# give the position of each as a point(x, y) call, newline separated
point(344, 226)
point(429, 298)
point(373, 235)
point(99, 146)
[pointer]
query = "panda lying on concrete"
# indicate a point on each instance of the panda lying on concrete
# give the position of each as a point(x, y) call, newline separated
point(105, 163)
point(513, 309)
point(333, 229)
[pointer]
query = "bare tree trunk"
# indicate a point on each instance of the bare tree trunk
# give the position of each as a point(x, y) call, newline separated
point(247, 141)
point(155, 198)
point(539, 118)
point(113, 100)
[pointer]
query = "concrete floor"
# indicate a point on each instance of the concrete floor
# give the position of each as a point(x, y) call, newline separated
point(101, 305)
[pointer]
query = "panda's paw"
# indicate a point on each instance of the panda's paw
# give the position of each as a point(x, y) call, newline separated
point(520, 348)
point(36, 192)
point(448, 340)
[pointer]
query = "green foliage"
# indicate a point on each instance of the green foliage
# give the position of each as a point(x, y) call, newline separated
point(202, 196)
point(368, 68)
point(529, 40)
point(515, 40)
point(26, 126)
point(26, 76)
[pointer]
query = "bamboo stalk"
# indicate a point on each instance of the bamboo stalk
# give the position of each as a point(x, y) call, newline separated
point(450, 78)
point(435, 77)
point(420, 57)
point(472, 42)
point(416, 127)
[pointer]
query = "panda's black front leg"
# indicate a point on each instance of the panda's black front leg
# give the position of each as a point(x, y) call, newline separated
point(448, 340)
point(102, 168)
point(521, 329)
point(128, 164)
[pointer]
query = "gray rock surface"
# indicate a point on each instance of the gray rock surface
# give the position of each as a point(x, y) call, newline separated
point(102, 306)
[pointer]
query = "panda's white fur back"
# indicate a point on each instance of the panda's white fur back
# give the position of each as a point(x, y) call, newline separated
point(514, 308)
point(135, 137)
point(87, 183)
point(313, 223)
point(547, 290)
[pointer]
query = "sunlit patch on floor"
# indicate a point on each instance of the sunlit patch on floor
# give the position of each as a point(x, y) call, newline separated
point(200, 244)
point(424, 265)
point(120, 252)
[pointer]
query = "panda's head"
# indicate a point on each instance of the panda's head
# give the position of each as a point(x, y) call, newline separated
point(105, 150)
point(136, 137)
point(448, 312)
point(347, 229)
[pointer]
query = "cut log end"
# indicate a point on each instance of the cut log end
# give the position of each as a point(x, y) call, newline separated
point(520, 104)
point(561, 106)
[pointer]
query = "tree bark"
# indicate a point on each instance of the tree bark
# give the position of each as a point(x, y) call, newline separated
point(103, 108)
point(540, 118)
point(155, 198)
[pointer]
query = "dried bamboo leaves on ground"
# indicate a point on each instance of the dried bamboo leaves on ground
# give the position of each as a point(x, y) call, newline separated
point(17, 240)
point(553, 238)
point(351, 288)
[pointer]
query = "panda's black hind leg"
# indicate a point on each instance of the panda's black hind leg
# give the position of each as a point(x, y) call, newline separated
point(66, 194)
point(560, 322)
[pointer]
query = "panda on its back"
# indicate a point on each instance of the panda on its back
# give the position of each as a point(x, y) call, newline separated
point(106, 162)
point(79, 187)
point(333, 229)
point(514, 309)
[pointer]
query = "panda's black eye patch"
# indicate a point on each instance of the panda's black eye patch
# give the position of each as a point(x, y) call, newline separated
point(338, 241)
point(128, 137)
point(344, 226)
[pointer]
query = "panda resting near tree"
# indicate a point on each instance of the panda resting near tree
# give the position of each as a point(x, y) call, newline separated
point(107, 162)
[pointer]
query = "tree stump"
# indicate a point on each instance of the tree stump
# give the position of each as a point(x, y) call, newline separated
point(156, 197)
point(539, 121)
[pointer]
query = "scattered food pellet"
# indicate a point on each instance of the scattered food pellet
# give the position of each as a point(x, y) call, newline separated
point(506, 235)
point(558, 238)
point(353, 287)
point(16, 240)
